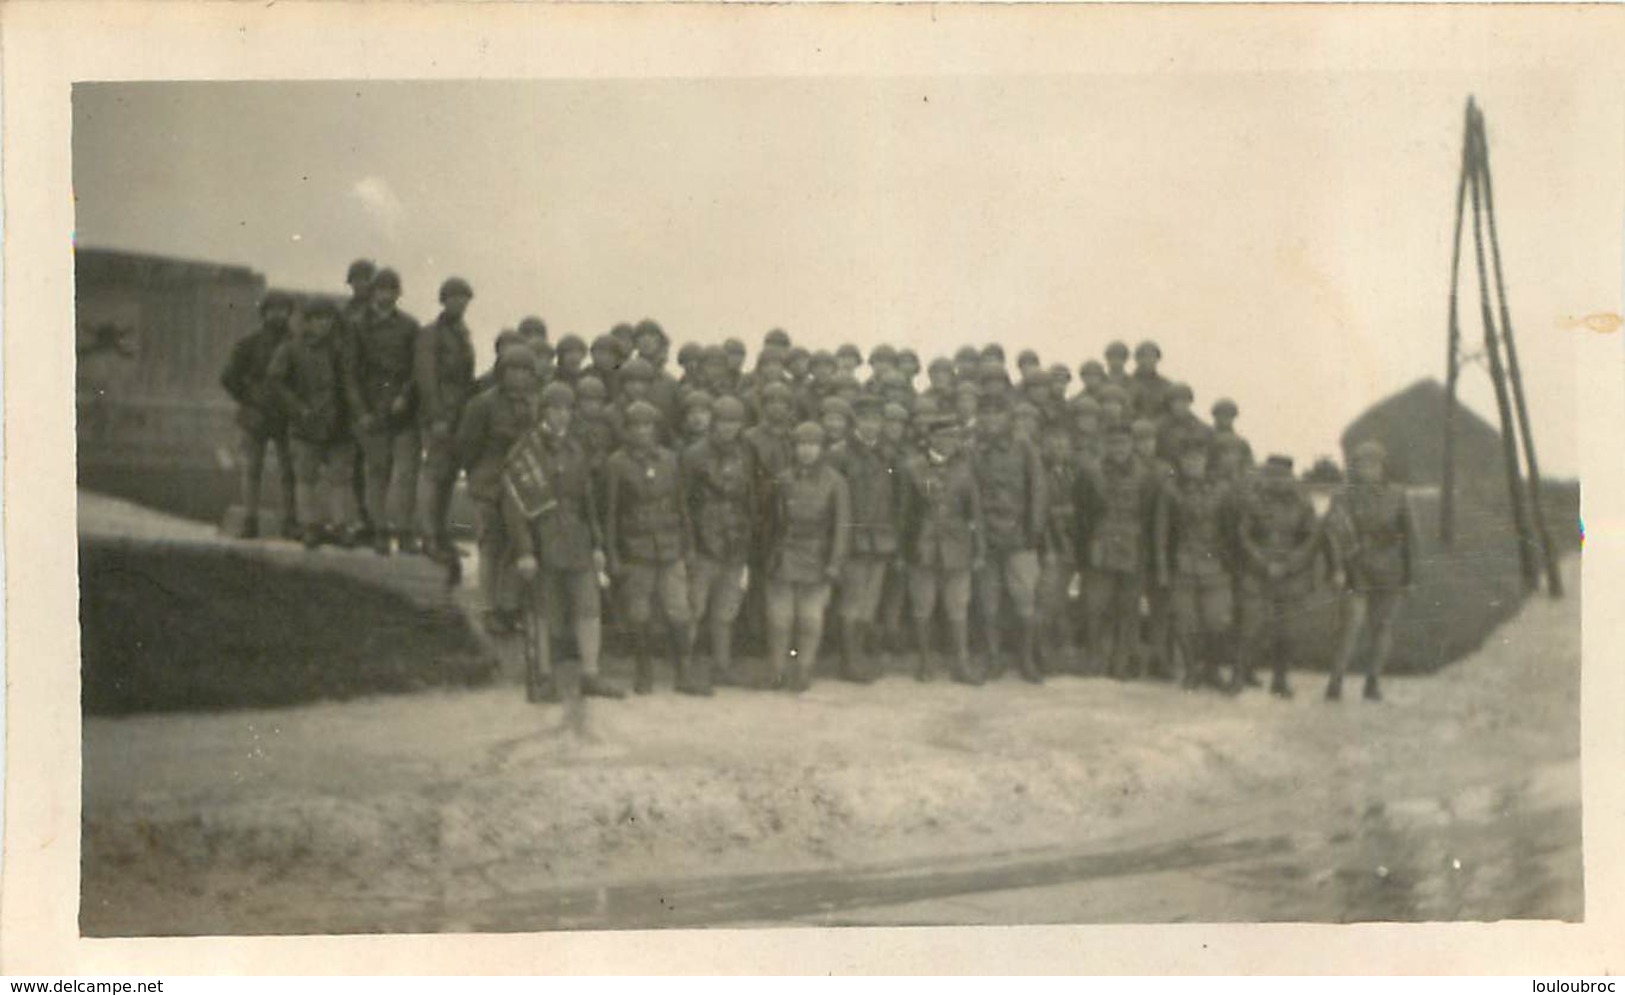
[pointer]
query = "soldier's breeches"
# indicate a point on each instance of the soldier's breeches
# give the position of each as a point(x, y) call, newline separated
point(926, 585)
point(1015, 574)
point(643, 583)
point(715, 589)
point(392, 474)
point(1054, 579)
point(862, 580)
point(498, 580)
point(1112, 603)
point(251, 448)
point(1261, 620)
point(1202, 607)
point(322, 481)
point(1367, 615)
point(798, 607)
point(562, 598)
point(438, 479)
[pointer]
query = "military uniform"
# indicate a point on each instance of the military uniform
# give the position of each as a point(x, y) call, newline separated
point(723, 507)
point(648, 531)
point(1010, 482)
point(1374, 542)
point(312, 381)
point(1195, 523)
point(385, 346)
point(1278, 538)
point(561, 541)
point(876, 495)
point(260, 421)
point(809, 529)
point(491, 425)
point(1114, 503)
point(1058, 559)
point(942, 540)
point(443, 370)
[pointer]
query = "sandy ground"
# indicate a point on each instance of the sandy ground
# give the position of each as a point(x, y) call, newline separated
point(1083, 800)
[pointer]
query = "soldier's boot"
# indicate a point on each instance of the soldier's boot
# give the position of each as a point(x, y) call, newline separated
point(643, 680)
point(996, 663)
point(1334, 688)
point(1372, 692)
point(722, 651)
point(1278, 684)
point(1029, 662)
point(962, 670)
point(595, 685)
point(692, 676)
point(849, 651)
point(381, 542)
point(925, 667)
point(778, 656)
point(313, 537)
point(807, 656)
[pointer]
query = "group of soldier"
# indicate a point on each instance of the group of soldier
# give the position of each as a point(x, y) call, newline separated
point(1106, 529)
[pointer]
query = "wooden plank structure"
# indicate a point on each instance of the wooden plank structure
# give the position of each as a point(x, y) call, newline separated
point(1523, 489)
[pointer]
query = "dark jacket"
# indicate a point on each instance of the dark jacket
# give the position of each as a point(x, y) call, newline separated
point(811, 518)
point(246, 380)
point(443, 371)
point(1114, 503)
point(876, 496)
point(385, 353)
point(722, 500)
point(646, 517)
point(564, 536)
point(1195, 531)
point(1060, 538)
point(1010, 482)
point(942, 514)
point(311, 382)
point(1373, 536)
point(491, 425)
point(1277, 525)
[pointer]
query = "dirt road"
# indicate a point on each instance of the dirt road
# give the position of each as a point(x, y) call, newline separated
point(1080, 801)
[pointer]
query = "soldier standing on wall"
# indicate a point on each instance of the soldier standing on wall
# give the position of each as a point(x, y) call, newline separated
point(310, 375)
point(259, 415)
point(443, 368)
point(359, 277)
point(384, 349)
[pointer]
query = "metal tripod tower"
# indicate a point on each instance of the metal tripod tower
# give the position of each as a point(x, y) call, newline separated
point(1527, 515)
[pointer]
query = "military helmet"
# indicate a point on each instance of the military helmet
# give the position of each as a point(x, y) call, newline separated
point(728, 408)
point(507, 338)
point(558, 395)
point(386, 278)
point(1091, 367)
point(1144, 428)
point(637, 368)
point(733, 347)
point(809, 431)
point(991, 368)
point(1060, 373)
point(591, 387)
point(867, 404)
point(778, 337)
point(894, 412)
point(849, 351)
point(689, 353)
point(1117, 350)
point(1182, 391)
point(909, 355)
point(1148, 348)
point(967, 354)
point(1028, 356)
point(455, 286)
point(836, 406)
point(942, 364)
point(1278, 466)
point(698, 399)
point(649, 326)
point(572, 343)
point(516, 356)
point(642, 413)
point(1224, 406)
point(795, 352)
point(882, 354)
point(276, 298)
point(993, 350)
point(823, 357)
point(607, 341)
point(713, 355)
point(776, 392)
point(361, 269)
point(531, 326)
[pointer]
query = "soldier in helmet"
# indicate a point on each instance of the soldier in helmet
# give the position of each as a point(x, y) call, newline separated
point(653, 346)
point(1093, 377)
point(1035, 386)
point(1148, 389)
point(717, 376)
point(1117, 365)
point(1179, 424)
point(890, 389)
point(697, 406)
point(847, 387)
point(1279, 538)
point(1010, 483)
point(1114, 503)
point(819, 384)
point(1374, 549)
point(1088, 442)
point(940, 382)
point(1060, 384)
point(558, 545)
point(1229, 461)
point(807, 540)
point(870, 471)
point(835, 417)
point(1027, 422)
point(626, 334)
point(260, 418)
point(967, 364)
point(359, 278)
point(386, 426)
point(309, 374)
point(777, 338)
point(733, 356)
point(443, 369)
point(1058, 548)
point(770, 448)
point(908, 364)
point(942, 541)
point(494, 421)
point(648, 542)
point(1158, 623)
point(1224, 426)
point(797, 368)
point(1195, 562)
point(533, 332)
point(688, 360)
point(571, 360)
point(992, 377)
point(1114, 407)
point(847, 359)
point(607, 357)
point(724, 507)
point(882, 361)
point(967, 401)
point(898, 447)
point(636, 377)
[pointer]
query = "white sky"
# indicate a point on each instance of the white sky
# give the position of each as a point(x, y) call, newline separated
point(1285, 237)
